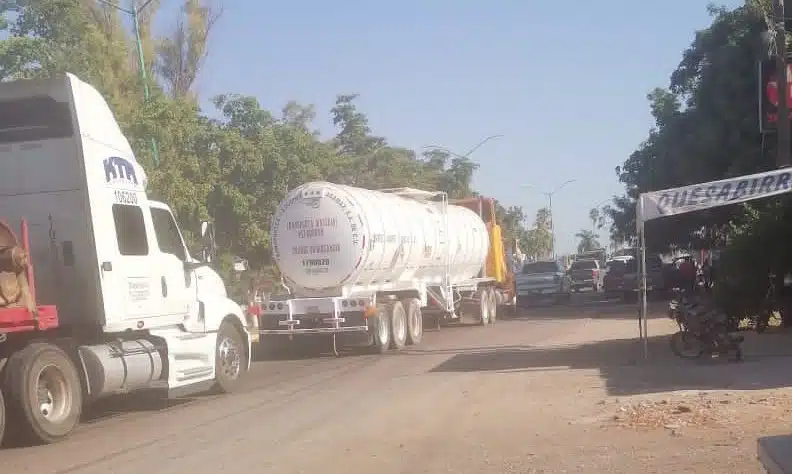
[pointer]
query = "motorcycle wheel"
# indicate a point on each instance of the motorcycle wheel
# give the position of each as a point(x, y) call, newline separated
point(686, 346)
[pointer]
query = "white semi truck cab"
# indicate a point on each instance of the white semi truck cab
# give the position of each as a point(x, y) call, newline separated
point(116, 302)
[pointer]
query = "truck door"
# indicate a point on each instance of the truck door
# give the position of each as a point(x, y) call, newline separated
point(176, 283)
point(130, 269)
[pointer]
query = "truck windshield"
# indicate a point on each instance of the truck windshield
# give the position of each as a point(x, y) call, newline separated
point(34, 119)
point(539, 267)
point(584, 265)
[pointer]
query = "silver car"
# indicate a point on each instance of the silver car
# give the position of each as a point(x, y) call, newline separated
point(542, 281)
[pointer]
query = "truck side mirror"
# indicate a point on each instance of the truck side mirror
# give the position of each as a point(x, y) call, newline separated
point(209, 246)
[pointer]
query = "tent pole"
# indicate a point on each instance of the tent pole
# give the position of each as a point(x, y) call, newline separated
point(637, 282)
point(644, 303)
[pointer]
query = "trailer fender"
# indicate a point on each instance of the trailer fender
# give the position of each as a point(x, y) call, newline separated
point(216, 310)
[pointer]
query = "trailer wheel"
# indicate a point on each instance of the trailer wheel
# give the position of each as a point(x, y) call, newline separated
point(493, 306)
point(2, 417)
point(230, 360)
point(381, 329)
point(398, 325)
point(44, 394)
point(414, 320)
point(484, 306)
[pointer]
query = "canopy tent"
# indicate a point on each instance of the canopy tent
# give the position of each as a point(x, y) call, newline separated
point(697, 197)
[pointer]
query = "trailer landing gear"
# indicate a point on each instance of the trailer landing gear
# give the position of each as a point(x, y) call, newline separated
point(334, 344)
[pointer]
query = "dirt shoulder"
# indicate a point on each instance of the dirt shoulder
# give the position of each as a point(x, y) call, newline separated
point(663, 414)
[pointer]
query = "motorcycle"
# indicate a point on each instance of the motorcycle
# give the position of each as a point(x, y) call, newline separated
point(702, 330)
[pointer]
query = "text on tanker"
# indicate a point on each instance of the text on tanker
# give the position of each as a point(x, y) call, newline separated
point(308, 223)
point(349, 215)
point(724, 191)
point(391, 238)
point(316, 249)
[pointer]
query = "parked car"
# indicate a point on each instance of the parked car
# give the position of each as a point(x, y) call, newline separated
point(613, 281)
point(540, 281)
point(586, 274)
point(655, 277)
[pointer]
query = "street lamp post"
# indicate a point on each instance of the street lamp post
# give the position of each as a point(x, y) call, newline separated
point(550, 210)
point(469, 152)
point(134, 12)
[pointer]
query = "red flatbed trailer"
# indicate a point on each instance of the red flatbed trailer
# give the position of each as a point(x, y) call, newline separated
point(21, 319)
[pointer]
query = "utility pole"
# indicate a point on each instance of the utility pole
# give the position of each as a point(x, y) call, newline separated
point(134, 12)
point(782, 86)
point(549, 196)
point(552, 224)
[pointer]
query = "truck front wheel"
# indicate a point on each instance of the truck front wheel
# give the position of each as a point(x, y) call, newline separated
point(230, 362)
point(44, 394)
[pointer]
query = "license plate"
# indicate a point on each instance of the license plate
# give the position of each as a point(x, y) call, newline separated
point(547, 291)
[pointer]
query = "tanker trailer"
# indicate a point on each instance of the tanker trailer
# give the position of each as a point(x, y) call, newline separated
point(366, 266)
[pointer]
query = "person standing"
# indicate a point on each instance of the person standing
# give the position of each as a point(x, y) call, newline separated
point(706, 271)
point(687, 274)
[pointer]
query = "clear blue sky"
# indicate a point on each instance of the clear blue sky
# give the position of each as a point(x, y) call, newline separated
point(567, 89)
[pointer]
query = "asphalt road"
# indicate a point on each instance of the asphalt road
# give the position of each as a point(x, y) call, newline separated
point(397, 413)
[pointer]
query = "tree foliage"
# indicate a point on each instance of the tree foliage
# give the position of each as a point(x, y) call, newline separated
point(236, 166)
point(587, 240)
point(535, 241)
point(705, 128)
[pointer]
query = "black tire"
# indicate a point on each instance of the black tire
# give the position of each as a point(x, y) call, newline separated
point(398, 326)
point(483, 307)
point(762, 322)
point(414, 321)
point(493, 303)
point(380, 327)
point(678, 341)
point(2, 417)
point(509, 309)
point(230, 358)
point(42, 369)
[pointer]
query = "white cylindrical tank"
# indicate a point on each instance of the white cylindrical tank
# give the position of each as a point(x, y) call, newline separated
point(327, 236)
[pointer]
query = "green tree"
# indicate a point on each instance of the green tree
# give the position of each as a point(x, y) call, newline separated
point(538, 241)
point(705, 127)
point(587, 240)
point(596, 218)
point(235, 163)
